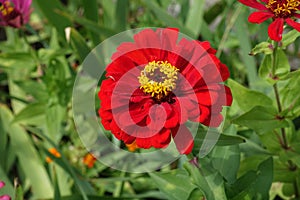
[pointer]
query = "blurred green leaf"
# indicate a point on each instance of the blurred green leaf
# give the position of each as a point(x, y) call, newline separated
point(28, 157)
point(19, 193)
point(175, 185)
point(246, 98)
point(166, 18)
point(245, 45)
point(36, 89)
point(261, 119)
point(79, 44)
point(50, 9)
point(227, 159)
point(9, 188)
point(195, 16)
point(91, 12)
point(31, 111)
point(121, 15)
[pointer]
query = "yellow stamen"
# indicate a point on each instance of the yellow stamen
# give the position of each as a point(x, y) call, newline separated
point(158, 78)
point(283, 9)
point(6, 8)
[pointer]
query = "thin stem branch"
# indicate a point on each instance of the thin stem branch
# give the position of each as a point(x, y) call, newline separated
point(296, 188)
point(283, 133)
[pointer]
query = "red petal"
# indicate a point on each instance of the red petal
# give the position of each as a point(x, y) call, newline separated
point(293, 24)
point(275, 29)
point(259, 17)
point(183, 139)
point(253, 4)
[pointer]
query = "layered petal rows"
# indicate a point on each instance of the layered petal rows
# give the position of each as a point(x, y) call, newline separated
point(155, 85)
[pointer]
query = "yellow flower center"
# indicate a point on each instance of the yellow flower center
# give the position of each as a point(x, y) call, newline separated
point(158, 78)
point(6, 8)
point(283, 8)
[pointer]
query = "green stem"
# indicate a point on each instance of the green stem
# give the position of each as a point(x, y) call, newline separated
point(120, 186)
point(229, 27)
point(283, 133)
point(284, 142)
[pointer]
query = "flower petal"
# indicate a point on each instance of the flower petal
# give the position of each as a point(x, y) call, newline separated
point(5, 197)
point(253, 4)
point(259, 17)
point(275, 29)
point(293, 24)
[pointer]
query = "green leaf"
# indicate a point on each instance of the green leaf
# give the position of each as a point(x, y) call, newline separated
point(16, 60)
point(282, 173)
point(175, 185)
point(8, 189)
point(91, 12)
point(50, 9)
point(227, 159)
point(207, 179)
point(213, 135)
point(166, 18)
point(261, 119)
point(121, 15)
point(79, 44)
point(36, 89)
point(19, 193)
point(195, 16)
point(28, 157)
point(242, 31)
point(281, 66)
point(253, 185)
point(246, 98)
point(34, 110)
point(263, 47)
point(289, 38)
point(290, 95)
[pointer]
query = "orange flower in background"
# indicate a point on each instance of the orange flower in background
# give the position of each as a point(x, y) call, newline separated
point(132, 147)
point(89, 160)
point(54, 152)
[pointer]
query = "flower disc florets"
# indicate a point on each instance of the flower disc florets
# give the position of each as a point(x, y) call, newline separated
point(158, 78)
point(283, 8)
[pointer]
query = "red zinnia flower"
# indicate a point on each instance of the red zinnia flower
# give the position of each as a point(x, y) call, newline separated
point(14, 13)
point(154, 85)
point(280, 10)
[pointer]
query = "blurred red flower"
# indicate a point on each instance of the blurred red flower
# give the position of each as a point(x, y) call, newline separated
point(154, 85)
point(14, 13)
point(3, 197)
point(279, 10)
